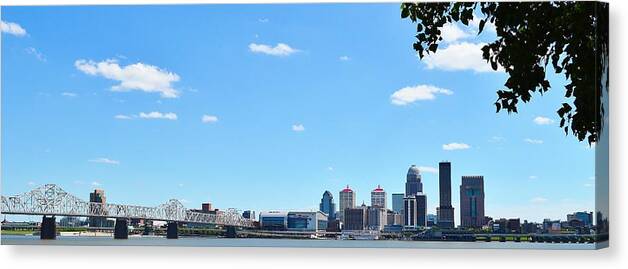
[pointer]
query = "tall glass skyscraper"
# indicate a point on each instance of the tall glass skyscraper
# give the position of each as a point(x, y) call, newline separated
point(472, 201)
point(327, 205)
point(445, 211)
point(397, 202)
point(413, 181)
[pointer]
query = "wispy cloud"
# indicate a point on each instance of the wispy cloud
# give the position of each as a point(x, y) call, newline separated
point(158, 115)
point(209, 119)
point(31, 183)
point(298, 127)
point(12, 28)
point(540, 120)
point(122, 117)
point(344, 58)
point(37, 54)
point(138, 76)
point(533, 141)
point(104, 160)
point(96, 184)
point(263, 20)
point(411, 94)
point(280, 49)
point(538, 200)
point(69, 94)
point(428, 169)
point(456, 146)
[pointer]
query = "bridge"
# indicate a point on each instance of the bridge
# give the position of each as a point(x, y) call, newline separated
point(50, 200)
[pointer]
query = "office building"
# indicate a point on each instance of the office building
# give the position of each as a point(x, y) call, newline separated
point(413, 181)
point(378, 197)
point(445, 212)
point(397, 202)
point(415, 209)
point(376, 218)
point(347, 200)
point(327, 205)
point(248, 214)
point(355, 218)
point(206, 207)
point(432, 220)
point(472, 201)
point(585, 218)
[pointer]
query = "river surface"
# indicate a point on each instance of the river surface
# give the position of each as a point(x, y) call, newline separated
point(288, 243)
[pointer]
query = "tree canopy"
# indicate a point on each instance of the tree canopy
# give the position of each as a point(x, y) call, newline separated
point(571, 36)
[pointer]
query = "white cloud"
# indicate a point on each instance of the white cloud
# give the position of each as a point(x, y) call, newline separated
point(543, 120)
point(138, 76)
point(459, 57)
point(475, 26)
point(329, 168)
point(122, 117)
point(412, 94)
point(31, 183)
point(263, 20)
point(158, 115)
point(589, 185)
point(69, 94)
point(37, 54)
point(209, 119)
point(280, 49)
point(497, 139)
point(105, 161)
point(456, 146)
point(96, 184)
point(533, 177)
point(450, 32)
point(428, 169)
point(298, 127)
point(533, 141)
point(344, 58)
point(538, 200)
point(12, 28)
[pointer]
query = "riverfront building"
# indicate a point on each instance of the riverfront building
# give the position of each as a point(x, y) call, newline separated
point(472, 201)
point(355, 219)
point(293, 221)
point(415, 210)
point(445, 212)
point(397, 202)
point(98, 196)
point(378, 197)
point(327, 205)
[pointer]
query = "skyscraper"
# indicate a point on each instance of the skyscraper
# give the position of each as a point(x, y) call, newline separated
point(347, 200)
point(378, 197)
point(472, 201)
point(445, 211)
point(415, 210)
point(413, 181)
point(328, 206)
point(397, 202)
point(355, 218)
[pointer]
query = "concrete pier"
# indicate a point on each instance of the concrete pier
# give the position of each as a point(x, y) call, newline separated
point(48, 228)
point(173, 230)
point(121, 230)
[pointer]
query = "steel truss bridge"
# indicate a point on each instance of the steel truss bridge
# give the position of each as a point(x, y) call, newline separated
point(51, 200)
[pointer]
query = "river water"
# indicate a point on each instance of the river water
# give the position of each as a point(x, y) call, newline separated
point(289, 243)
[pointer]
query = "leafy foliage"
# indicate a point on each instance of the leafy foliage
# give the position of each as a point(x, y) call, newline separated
point(571, 36)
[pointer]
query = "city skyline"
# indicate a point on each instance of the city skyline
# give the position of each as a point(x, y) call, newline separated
point(260, 108)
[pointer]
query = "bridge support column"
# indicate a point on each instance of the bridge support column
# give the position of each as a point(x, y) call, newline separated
point(121, 230)
point(48, 228)
point(231, 232)
point(173, 230)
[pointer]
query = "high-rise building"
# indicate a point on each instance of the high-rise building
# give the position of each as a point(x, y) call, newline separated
point(472, 201)
point(95, 198)
point(376, 218)
point(397, 202)
point(586, 218)
point(327, 205)
point(347, 200)
point(413, 181)
point(378, 197)
point(415, 210)
point(355, 218)
point(445, 211)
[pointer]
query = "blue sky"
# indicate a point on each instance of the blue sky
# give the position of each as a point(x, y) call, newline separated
point(267, 106)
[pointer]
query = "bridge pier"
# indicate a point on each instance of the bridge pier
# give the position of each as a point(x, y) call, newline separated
point(173, 230)
point(121, 230)
point(231, 232)
point(48, 228)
